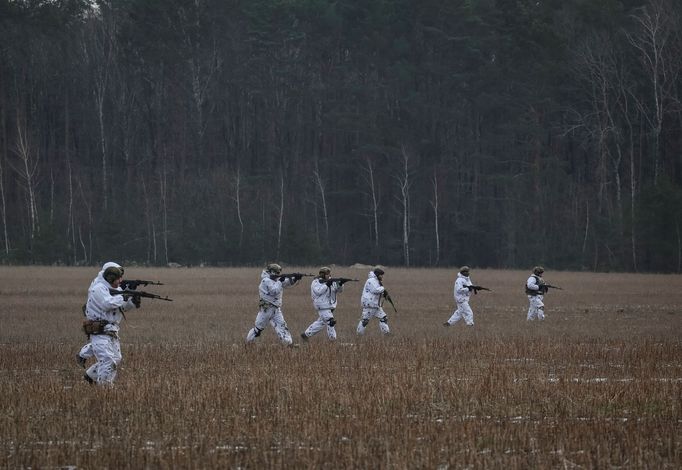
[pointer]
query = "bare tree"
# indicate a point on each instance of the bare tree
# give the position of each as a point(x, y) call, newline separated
point(87, 251)
point(204, 61)
point(27, 171)
point(404, 185)
point(657, 25)
point(71, 229)
point(374, 201)
point(3, 158)
point(435, 206)
point(98, 48)
point(280, 221)
point(151, 225)
point(163, 199)
point(320, 186)
point(236, 198)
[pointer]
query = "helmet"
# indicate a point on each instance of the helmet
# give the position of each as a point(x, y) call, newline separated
point(325, 270)
point(464, 269)
point(274, 268)
point(112, 273)
point(378, 271)
point(111, 264)
point(537, 270)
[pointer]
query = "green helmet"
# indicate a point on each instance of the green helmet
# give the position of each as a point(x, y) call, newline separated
point(112, 273)
point(538, 270)
point(274, 268)
point(464, 269)
point(324, 270)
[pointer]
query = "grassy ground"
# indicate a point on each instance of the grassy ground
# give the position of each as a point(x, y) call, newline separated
point(597, 385)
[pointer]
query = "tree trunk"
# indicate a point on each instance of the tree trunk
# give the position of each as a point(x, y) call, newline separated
point(404, 183)
point(434, 205)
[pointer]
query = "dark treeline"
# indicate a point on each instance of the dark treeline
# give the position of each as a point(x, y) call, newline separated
point(500, 133)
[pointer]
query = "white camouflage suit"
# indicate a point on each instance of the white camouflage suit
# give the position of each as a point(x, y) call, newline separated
point(86, 351)
point(270, 292)
point(324, 301)
point(536, 306)
point(102, 305)
point(462, 295)
point(371, 305)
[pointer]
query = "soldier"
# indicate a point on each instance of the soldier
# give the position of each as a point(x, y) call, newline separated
point(535, 289)
point(371, 302)
point(462, 291)
point(270, 305)
point(105, 311)
point(323, 292)
point(86, 351)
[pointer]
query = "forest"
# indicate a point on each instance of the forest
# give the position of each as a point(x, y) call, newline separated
point(493, 133)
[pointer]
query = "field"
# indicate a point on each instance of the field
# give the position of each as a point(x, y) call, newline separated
point(598, 384)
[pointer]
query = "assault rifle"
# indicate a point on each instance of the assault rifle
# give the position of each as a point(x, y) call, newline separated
point(477, 288)
point(390, 300)
point(296, 276)
point(132, 284)
point(138, 294)
point(547, 287)
point(340, 280)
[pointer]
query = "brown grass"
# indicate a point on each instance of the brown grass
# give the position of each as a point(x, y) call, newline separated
point(597, 385)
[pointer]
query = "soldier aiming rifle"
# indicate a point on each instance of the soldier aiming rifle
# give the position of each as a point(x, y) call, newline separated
point(137, 294)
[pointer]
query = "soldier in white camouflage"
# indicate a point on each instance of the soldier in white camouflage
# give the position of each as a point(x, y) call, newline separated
point(535, 290)
point(271, 288)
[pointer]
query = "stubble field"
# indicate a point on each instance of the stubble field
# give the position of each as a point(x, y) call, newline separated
point(597, 385)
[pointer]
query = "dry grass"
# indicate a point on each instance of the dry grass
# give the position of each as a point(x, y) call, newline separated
point(597, 385)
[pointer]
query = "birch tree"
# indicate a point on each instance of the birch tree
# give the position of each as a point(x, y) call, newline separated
point(98, 50)
point(280, 218)
point(404, 183)
point(323, 197)
point(237, 201)
point(656, 32)
point(435, 207)
point(26, 169)
point(373, 199)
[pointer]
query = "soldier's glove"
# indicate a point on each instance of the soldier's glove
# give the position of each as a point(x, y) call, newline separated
point(281, 278)
point(385, 294)
point(137, 301)
point(298, 277)
point(329, 283)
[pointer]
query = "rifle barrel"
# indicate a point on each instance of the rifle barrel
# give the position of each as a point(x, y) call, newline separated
point(138, 293)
